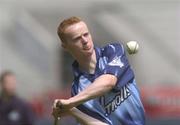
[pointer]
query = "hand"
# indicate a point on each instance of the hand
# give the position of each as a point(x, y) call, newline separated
point(57, 112)
point(61, 108)
point(63, 104)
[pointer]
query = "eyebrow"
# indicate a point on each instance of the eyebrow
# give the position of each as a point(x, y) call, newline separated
point(78, 36)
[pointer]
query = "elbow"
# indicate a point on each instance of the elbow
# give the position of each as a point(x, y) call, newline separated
point(111, 82)
point(110, 86)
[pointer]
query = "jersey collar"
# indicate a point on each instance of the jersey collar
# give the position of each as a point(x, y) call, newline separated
point(75, 65)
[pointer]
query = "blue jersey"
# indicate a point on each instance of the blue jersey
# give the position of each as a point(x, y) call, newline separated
point(120, 106)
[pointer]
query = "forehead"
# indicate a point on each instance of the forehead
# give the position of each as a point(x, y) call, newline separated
point(76, 28)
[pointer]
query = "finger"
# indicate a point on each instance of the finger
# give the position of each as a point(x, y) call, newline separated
point(55, 112)
point(59, 105)
point(55, 103)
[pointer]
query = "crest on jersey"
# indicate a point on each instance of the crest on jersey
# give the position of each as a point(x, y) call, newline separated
point(116, 62)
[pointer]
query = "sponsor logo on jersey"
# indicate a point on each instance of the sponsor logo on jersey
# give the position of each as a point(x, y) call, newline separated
point(120, 97)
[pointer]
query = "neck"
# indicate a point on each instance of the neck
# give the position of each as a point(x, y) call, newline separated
point(88, 64)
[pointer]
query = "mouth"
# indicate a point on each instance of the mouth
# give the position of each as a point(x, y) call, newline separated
point(87, 48)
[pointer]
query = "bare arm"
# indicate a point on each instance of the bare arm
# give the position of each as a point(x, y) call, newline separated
point(85, 119)
point(81, 117)
point(100, 86)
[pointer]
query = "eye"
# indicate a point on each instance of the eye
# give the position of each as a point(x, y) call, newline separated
point(86, 34)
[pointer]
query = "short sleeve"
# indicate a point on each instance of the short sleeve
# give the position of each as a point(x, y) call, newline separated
point(117, 62)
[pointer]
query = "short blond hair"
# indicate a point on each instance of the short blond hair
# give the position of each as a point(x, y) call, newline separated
point(64, 24)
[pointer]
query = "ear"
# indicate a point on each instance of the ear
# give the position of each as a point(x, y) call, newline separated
point(63, 45)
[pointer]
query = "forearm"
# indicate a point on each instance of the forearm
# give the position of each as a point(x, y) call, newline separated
point(81, 117)
point(101, 85)
point(85, 119)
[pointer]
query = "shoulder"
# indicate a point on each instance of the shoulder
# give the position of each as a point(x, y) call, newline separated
point(113, 47)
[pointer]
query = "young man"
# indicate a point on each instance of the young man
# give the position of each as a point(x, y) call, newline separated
point(13, 110)
point(104, 87)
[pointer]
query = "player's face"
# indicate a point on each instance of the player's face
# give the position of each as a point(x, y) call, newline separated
point(78, 40)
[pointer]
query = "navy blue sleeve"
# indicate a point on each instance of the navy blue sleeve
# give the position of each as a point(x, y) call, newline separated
point(117, 62)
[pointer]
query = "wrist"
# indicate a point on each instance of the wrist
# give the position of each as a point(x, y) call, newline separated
point(66, 104)
point(70, 103)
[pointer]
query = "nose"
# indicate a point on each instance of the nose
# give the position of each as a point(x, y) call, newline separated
point(84, 40)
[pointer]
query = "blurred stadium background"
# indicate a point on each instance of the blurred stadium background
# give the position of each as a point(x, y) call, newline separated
point(30, 47)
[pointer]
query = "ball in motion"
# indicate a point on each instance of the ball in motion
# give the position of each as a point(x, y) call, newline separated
point(132, 47)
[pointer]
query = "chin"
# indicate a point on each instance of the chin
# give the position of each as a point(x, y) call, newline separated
point(89, 53)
